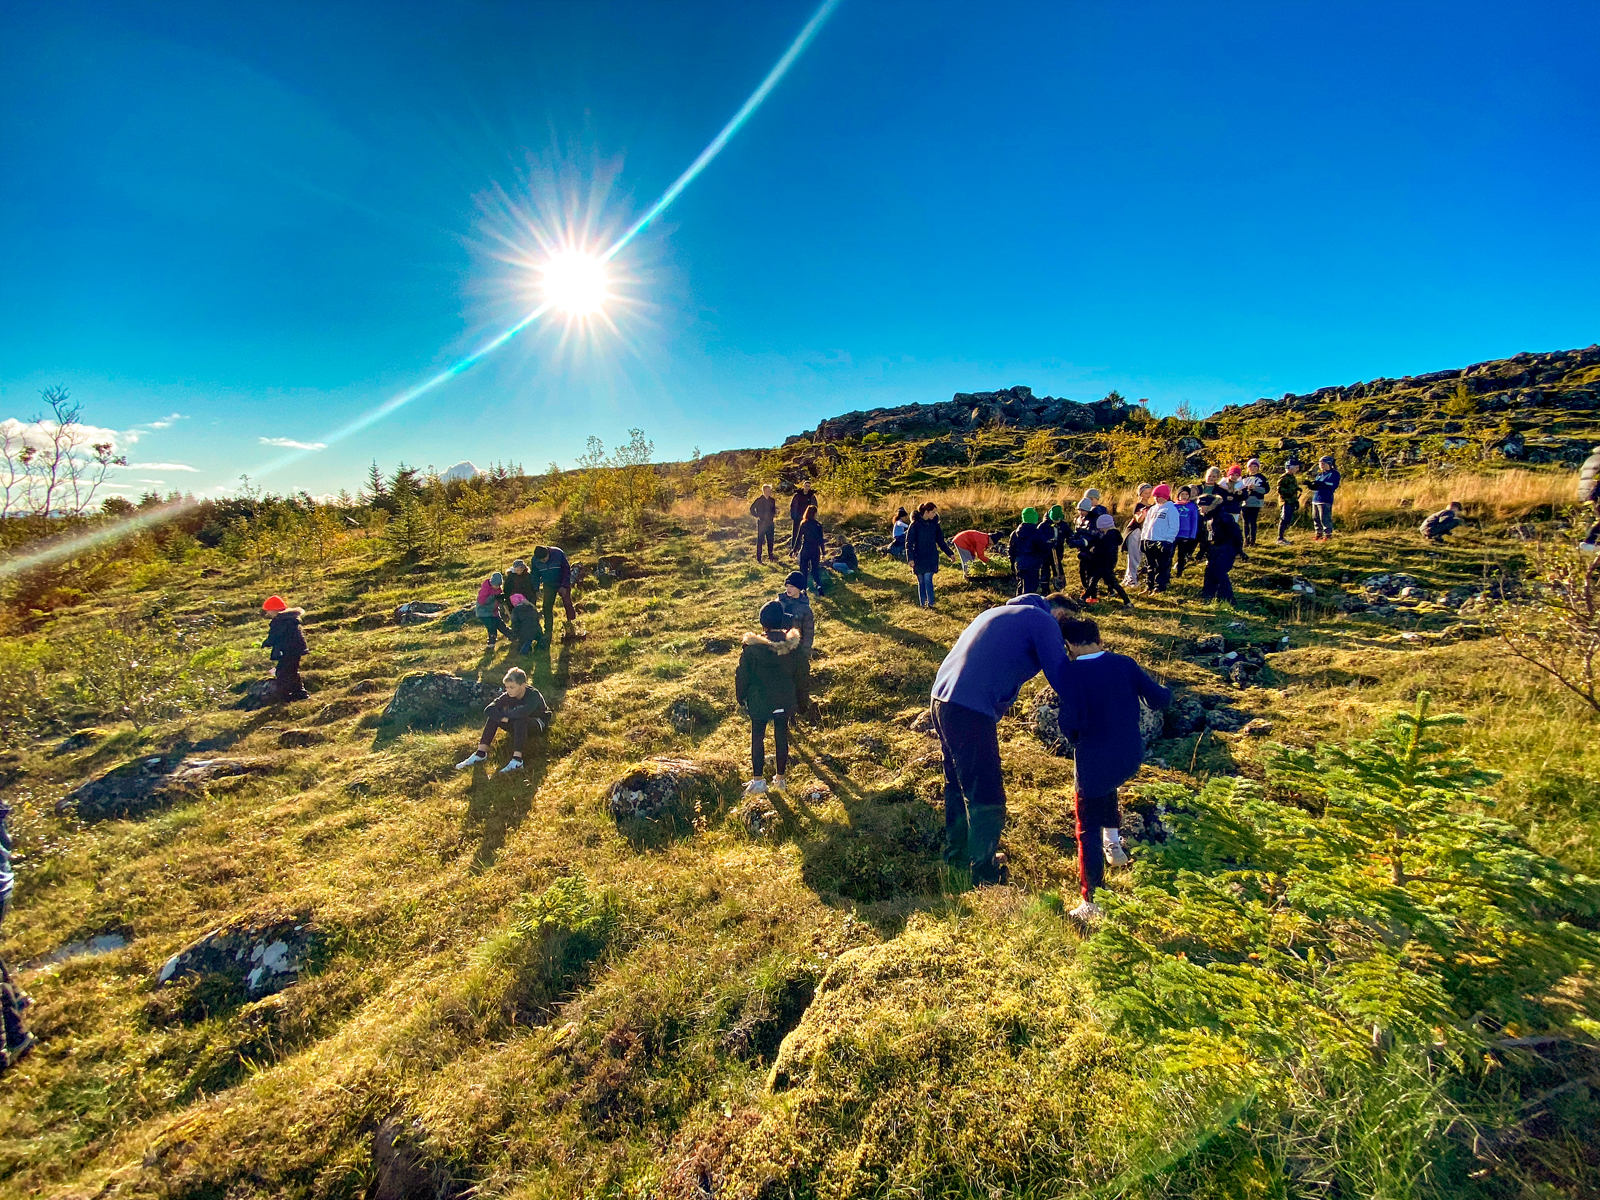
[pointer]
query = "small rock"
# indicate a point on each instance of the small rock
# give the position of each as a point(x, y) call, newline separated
point(1212, 643)
point(431, 695)
point(1301, 586)
point(260, 957)
point(689, 713)
point(1256, 728)
point(150, 783)
point(337, 711)
point(80, 740)
point(923, 723)
point(716, 646)
point(462, 618)
point(758, 817)
point(364, 687)
point(1226, 720)
point(100, 943)
point(291, 739)
point(672, 790)
point(1184, 716)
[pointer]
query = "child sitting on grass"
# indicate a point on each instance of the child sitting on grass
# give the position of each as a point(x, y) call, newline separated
point(771, 682)
point(287, 642)
point(518, 708)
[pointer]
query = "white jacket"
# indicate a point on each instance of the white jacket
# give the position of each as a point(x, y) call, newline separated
point(1161, 523)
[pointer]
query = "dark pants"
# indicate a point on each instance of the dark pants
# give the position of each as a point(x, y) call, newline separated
point(794, 535)
point(10, 998)
point(1085, 572)
point(1202, 540)
point(1218, 585)
point(764, 538)
point(518, 727)
point(974, 790)
point(811, 568)
point(1094, 814)
point(1158, 561)
point(551, 591)
point(1286, 516)
point(492, 622)
point(1058, 566)
point(288, 677)
point(758, 743)
point(1250, 516)
point(1322, 518)
point(1028, 579)
point(1184, 548)
point(1107, 577)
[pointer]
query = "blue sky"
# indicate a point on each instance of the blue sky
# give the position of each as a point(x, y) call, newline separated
point(251, 221)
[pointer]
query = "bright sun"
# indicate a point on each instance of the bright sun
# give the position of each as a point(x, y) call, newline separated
point(575, 282)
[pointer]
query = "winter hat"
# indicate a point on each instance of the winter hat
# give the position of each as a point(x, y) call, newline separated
point(1105, 521)
point(540, 553)
point(1235, 469)
point(520, 564)
point(1030, 516)
point(796, 580)
point(518, 598)
point(1055, 512)
point(497, 579)
point(1293, 462)
point(773, 616)
point(1091, 493)
point(1162, 492)
point(273, 604)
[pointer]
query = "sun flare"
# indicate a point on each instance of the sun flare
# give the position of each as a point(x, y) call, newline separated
point(575, 282)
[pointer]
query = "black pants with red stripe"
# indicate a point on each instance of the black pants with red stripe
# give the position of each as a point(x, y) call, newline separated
point(1094, 814)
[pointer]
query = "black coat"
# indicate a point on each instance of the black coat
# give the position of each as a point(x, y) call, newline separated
point(1225, 530)
point(1030, 547)
point(808, 539)
point(799, 502)
point(772, 675)
point(924, 543)
point(765, 510)
point(531, 708)
point(1101, 553)
point(284, 637)
point(525, 585)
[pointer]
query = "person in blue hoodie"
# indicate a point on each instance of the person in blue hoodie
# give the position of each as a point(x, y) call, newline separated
point(977, 683)
point(1101, 719)
point(1188, 528)
point(1323, 484)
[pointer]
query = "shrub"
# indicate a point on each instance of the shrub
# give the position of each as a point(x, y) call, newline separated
point(145, 671)
point(552, 941)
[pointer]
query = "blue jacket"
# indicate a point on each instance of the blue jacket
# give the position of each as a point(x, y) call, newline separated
point(1101, 716)
point(1030, 546)
point(1000, 651)
point(1188, 519)
point(1323, 486)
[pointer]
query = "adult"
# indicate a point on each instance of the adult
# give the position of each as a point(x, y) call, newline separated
point(803, 498)
point(973, 545)
point(519, 581)
point(1254, 487)
point(1323, 485)
point(1029, 551)
point(15, 1040)
point(764, 508)
point(554, 575)
point(1100, 716)
point(1288, 499)
point(976, 684)
point(1227, 544)
point(1133, 534)
point(1159, 535)
point(1442, 523)
point(809, 540)
point(924, 543)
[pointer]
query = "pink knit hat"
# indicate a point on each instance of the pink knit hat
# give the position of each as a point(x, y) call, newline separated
point(1162, 492)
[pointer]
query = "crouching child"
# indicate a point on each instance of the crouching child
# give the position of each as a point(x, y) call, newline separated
point(520, 709)
point(1442, 523)
point(524, 623)
point(287, 642)
point(771, 682)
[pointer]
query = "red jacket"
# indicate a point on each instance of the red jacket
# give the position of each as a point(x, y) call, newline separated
point(973, 542)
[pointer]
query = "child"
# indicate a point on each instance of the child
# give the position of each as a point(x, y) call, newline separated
point(898, 530)
point(1157, 537)
point(1254, 488)
point(1102, 722)
point(1188, 527)
point(288, 645)
point(1227, 544)
point(798, 612)
point(1059, 531)
point(1323, 485)
point(972, 544)
point(1132, 537)
point(524, 623)
point(1441, 523)
point(15, 1040)
point(1097, 562)
point(519, 708)
point(771, 682)
point(1029, 552)
point(1289, 497)
point(488, 606)
point(845, 561)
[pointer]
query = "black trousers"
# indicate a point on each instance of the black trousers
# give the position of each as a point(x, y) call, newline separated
point(969, 742)
point(1218, 584)
point(288, 676)
point(1158, 560)
point(758, 742)
point(1185, 548)
point(1251, 516)
point(1028, 580)
point(517, 725)
point(1094, 813)
point(1286, 516)
point(1107, 577)
point(10, 1000)
point(764, 537)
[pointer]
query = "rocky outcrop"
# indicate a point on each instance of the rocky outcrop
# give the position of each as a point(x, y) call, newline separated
point(1015, 407)
point(146, 784)
point(673, 791)
point(431, 696)
point(258, 957)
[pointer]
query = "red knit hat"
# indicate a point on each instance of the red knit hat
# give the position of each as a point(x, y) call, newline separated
point(1162, 492)
point(273, 604)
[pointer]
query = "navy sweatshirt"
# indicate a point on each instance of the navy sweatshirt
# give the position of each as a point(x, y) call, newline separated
point(1100, 714)
point(1000, 651)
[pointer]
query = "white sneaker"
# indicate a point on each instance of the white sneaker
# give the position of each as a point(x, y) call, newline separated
point(1088, 910)
point(514, 765)
point(756, 787)
point(1587, 548)
point(471, 760)
point(780, 782)
point(1116, 854)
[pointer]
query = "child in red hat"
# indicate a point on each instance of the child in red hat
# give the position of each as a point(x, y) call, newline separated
point(287, 642)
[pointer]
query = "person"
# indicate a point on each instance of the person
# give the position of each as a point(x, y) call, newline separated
point(798, 612)
point(554, 575)
point(1090, 511)
point(287, 641)
point(803, 499)
point(487, 608)
point(1437, 527)
point(1058, 531)
point(519, 581)
point(1134, 532)
point(1233, 490)
point(1157, 537)
point(899, 528)
point(771, 682)
point(1288, 499)
point(525, 624)
point(1098, 561)
point(1323, 485)
point(1589, 494)
point(1227, 544)
point(519, 708)
point(1188, 528)
point(809, 541)
point(15, 1040)
point(977, 683)
point(1100, 716)
point(764, 508)
point(1254, 487)
point(1210, 485)
point(924, 543)
point(845, 561)
point(973, 544)
point(1029, 551)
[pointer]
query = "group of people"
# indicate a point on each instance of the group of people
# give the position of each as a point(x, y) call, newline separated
point(509, 602)
point(807, 541)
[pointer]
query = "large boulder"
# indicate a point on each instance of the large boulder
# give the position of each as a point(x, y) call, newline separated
point(259, 957)
point(431, 696)
point(149, 783)
point(673, 791)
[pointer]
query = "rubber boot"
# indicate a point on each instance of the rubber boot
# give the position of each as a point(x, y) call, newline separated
point(983, 843)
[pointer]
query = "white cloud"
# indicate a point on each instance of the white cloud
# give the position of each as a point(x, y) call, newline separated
point(161, 467)
point(39, 433)
point(149, 480)
point(291, 444)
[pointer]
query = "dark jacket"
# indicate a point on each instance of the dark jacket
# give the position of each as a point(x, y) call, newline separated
point(1441, 523)
point(808, 539)
point(924, 543)
point(1100, 714)
point(525, 621)
point(801, 618)
point(1000, 651)
point(1256, 489)
point(525, 585)
point(1067, 535)
point(764, 509)
point(1088, 516)
point(1225, 531)
point(284, 636)
point(1102, 551)
point(845, 556)
point(531, 707)
point(799, 502)
point(1323, 485)
point(555, 571)
point(1289, 488)
point(772, 675)
point(7, 879)
point(1029, 547)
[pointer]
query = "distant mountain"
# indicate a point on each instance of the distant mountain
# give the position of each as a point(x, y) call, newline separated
point(462, 470)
